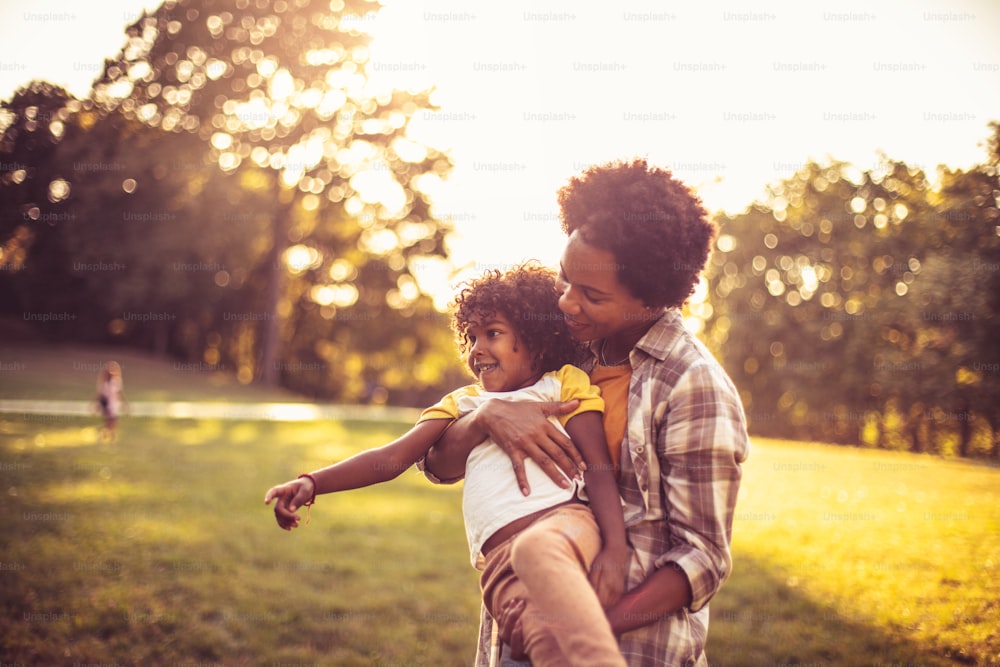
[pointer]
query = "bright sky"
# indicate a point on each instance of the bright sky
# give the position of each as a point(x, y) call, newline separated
point(731, 95)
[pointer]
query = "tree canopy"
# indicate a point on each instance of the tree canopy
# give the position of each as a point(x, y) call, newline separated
point(236, 169)
point(239, 194)
point(859, 306)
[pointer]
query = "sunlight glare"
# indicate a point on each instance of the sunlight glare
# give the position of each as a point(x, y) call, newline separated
point(377, 186)
point(282, 85)
point(322, 294)
point(254, 114)
point(409, 151)
point(139, 70)
point(810, 282)
point(300, 258)
point(341, 270)
point(267, 66)
point(378, 241)
point(221, 141)
point(59, 189)
point(215, 68)
point(726, 243)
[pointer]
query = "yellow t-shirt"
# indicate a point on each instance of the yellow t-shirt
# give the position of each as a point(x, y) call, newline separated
point(573, 383)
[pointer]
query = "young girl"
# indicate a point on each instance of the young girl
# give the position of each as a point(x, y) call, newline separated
point(538, 547)
point(110, 398)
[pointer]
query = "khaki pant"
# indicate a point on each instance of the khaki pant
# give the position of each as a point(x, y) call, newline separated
point(546, 565)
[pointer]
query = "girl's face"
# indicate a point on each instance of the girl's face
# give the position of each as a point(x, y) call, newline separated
point(595, 303)
point(496, 357)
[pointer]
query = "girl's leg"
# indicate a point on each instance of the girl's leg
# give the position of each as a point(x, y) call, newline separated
point(499, 584)
point(552, 559)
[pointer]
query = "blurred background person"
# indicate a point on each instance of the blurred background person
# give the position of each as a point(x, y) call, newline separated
point(110, 398)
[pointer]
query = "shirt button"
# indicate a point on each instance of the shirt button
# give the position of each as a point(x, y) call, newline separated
point(640, 449)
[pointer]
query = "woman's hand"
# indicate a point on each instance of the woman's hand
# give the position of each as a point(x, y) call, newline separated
point(290, 496)
point(522, 429)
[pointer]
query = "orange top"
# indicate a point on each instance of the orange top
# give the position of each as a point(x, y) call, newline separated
point(613, 382)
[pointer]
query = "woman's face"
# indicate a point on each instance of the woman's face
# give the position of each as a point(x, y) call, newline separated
point(595, 303)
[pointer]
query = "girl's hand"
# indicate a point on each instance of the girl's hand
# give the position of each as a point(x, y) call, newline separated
point(290, 496)
point(607, 576)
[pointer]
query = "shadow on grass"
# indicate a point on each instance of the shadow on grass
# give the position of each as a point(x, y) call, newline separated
point(761, 618)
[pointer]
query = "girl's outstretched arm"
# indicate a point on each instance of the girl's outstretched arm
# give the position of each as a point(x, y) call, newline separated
point(366, 468)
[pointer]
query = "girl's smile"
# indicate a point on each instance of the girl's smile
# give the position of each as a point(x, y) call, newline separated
point(497, 358)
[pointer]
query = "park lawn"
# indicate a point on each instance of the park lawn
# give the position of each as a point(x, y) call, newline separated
point(158, 550)
point(846, 556)
point(32, 369)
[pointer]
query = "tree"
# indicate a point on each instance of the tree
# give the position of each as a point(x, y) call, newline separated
point(861, 306)
point(804, 279)
point(33, 124)
point(105, 232)
point(962, 301)
point(281, 88)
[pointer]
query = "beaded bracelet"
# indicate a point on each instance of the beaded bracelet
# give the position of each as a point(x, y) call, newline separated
point(313, 480)
point(312, 500)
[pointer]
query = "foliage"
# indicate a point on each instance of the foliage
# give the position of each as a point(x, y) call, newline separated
point(857, 306)
point(236, 191)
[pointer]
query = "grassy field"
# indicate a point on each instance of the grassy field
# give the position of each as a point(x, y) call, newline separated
point(35, 370)
point(157, 550)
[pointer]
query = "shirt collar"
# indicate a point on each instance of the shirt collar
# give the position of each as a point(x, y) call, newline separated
point(663, 335)
point(656, 342)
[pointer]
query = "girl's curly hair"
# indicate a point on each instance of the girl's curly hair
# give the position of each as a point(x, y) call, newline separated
point(528, 297)
point(652, 223)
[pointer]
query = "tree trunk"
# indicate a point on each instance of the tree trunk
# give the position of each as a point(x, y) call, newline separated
point(913, 423)
point(270, 331)
point(994, 436)
point(879, 430)
point(964, 428)
point(933, 435)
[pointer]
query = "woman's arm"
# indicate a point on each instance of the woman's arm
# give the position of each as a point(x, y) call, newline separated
point(662, 593)
point(521, 429)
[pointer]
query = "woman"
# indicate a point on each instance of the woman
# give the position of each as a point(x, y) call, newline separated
point(637, 240)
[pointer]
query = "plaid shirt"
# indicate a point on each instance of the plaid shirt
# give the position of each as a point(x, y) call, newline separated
point(680, 493)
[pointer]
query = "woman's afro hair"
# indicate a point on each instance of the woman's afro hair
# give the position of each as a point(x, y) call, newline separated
point(652, 223)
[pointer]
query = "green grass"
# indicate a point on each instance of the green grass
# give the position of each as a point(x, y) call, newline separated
point(69, 372)
point(850, 556)
point(158, 550)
